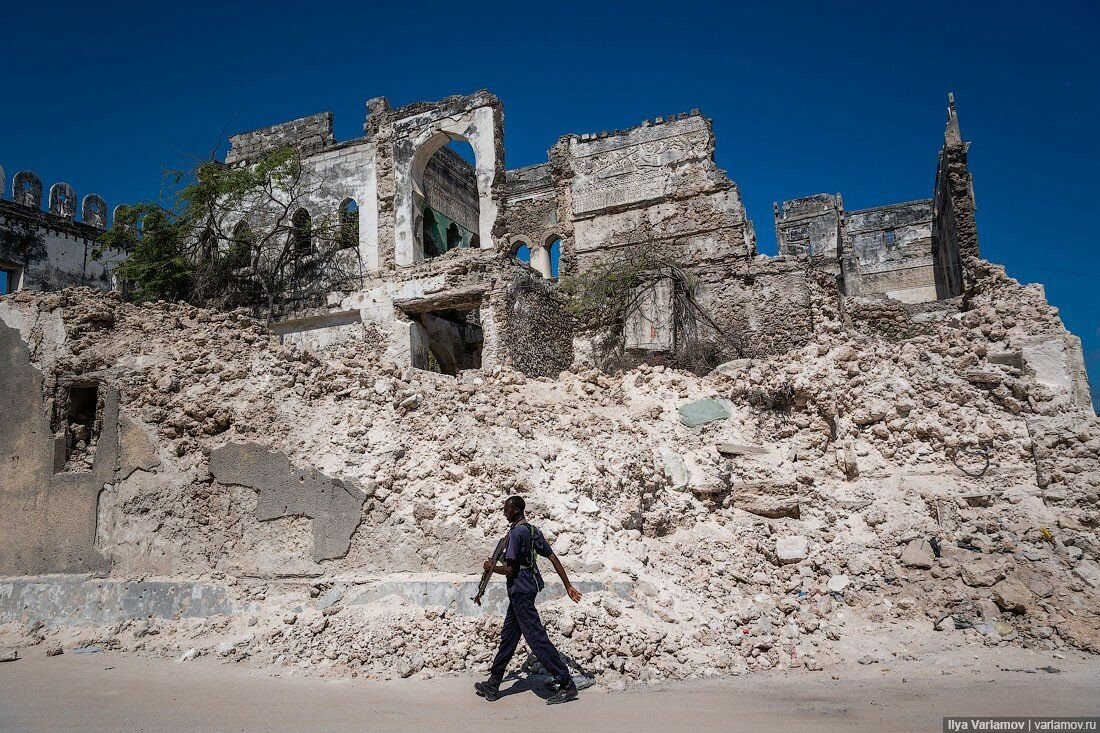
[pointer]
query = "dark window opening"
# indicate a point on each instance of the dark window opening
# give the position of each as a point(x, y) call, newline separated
point(77, 427)
point(433, 247)
point(349, 224)
point(454, 237)
point(447, 341)
point(891, 238)
point(302, 237)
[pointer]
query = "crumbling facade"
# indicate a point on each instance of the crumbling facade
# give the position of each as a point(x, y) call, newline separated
point(886, 455)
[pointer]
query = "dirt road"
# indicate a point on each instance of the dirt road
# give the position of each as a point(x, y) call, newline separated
point(113, 692)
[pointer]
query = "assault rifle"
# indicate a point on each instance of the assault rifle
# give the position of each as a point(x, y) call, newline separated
point(498, 553)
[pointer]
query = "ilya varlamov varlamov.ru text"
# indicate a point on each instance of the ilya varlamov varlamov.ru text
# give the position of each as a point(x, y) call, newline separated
point(1021, 724)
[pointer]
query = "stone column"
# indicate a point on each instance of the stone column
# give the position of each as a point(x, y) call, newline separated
point(540, 260)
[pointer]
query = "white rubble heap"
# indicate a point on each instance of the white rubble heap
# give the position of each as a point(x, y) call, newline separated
point(850, 515)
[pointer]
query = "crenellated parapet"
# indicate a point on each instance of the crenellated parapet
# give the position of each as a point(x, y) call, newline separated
point(44, 248)
point(27, 189)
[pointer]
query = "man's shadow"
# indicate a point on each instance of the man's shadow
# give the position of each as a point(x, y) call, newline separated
point(536, 683)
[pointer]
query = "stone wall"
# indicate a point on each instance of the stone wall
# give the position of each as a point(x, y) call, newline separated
point(535, 328)
point(955, 229)
point(47, 509)
point(654, 184)
point(306, 134)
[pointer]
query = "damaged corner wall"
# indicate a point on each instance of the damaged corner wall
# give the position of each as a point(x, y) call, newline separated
point(47, 519)
point(655, 184)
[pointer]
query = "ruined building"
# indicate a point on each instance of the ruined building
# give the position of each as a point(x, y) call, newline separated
point(897, 452)
point(909, 252)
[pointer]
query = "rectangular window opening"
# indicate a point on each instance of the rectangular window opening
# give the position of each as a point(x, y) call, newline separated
point(447, 341)
point(76, 426)
point(9, 280)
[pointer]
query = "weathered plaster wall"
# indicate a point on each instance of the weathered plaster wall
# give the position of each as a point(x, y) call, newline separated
point(47, 519)
point(45, 251)
point(809, 225)
point(333, 505)
point(307, 134)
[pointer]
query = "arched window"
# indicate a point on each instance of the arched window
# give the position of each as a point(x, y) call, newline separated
point(521, 252)
point(349, 224)
point(302, 235)
point(444, 183)
point(555, 255)
point(208, 246)
point(239, 254)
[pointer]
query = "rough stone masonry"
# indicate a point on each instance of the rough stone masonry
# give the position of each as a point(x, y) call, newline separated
point(902, 457)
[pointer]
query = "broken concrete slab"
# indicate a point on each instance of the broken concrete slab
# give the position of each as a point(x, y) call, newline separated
point(334, 506)
point(772, 499)
point(8, 655)
point(702, 412)
point(737, 449)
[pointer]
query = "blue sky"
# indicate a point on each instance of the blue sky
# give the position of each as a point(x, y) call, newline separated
point(805, 97)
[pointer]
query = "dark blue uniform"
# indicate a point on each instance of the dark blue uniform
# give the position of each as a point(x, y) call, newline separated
point(522, 618)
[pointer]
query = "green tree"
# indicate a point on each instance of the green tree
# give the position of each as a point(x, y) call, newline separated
point(233, 234)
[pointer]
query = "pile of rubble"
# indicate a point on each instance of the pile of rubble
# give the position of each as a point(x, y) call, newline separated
point(868, 495)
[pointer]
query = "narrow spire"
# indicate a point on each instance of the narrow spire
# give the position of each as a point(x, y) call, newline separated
point(952, 135)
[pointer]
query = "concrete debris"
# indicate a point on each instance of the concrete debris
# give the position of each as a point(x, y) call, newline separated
point(8, 655)
point(917, 554)
point(702, 412)
point(791, 549)
point(787, 558)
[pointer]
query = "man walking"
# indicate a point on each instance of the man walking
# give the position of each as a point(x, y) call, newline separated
point(525, 543)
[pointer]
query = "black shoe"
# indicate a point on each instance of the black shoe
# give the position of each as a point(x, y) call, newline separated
point(565, 694)
point(489, 689)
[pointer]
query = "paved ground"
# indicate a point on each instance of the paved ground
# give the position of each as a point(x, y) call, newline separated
point(112, 692)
